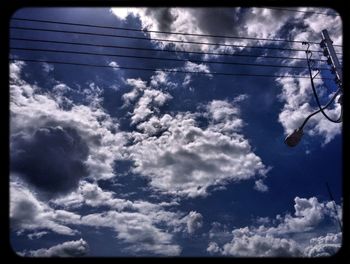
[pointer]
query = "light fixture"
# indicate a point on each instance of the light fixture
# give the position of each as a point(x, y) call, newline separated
point(293, 139)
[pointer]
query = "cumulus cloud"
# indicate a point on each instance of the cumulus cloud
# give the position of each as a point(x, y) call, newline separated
point(194, 221)
point(148, 104)
point(75, 248)
point(135, 222)
point(297, 95)
point(92, 195)
point(137, 230)
point(283, 236)
point(28, 213)
point(185, 159)
point(182, 158)
point(213, 248)
point(324, 246)
point(246, 243)
point(86, 136)
point(52, 158)
point(254, 22)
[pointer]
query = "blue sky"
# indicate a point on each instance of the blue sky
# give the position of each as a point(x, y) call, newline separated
point(117, 162)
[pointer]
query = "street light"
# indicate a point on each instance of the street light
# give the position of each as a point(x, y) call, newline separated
point(294, 138)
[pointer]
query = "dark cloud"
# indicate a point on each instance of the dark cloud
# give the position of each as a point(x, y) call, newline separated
point(215, 20)
point(51, 159)
point(23, 212)
point(163, 16)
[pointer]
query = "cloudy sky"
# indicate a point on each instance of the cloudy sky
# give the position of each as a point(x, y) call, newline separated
point(174, 160)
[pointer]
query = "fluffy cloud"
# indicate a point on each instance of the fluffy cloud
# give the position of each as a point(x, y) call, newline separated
point(75, 248)
point(194, 222)
point(148, 104)
point(181, 158)
point(283, 236)
point(91, 194)
point(135, 222)
point(61, 150)
point(260, 186)
point(246, 243)
point(87, 135)
point(324, 246)
point(213, 248)
point(297, 95)
point(254, 22)
point(28, 213)
point(137, 230)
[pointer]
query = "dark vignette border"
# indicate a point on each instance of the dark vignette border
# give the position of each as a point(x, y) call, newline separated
point(8, 7)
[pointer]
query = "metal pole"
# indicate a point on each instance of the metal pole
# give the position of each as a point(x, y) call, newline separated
point(328, 44)
point(334, 206)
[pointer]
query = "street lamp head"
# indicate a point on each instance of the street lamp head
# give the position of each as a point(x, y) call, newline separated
point(293, 139)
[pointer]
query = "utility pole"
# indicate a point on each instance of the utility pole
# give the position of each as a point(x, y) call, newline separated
point(332, 59)
point(334, 207)
point(294, 138)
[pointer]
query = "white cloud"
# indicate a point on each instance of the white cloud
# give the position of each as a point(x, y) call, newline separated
point(136, 229)
point(91, 194)
point(194, 221)
point(283, 236)
point(31, 111)
point(195, 67)
point(135, 222)
point(308, 214)
point(297, 95)
point(148, 104)
point(254, 22)
point(324, 246)
point(260, 186)
point(28, 213)
point(178, 156)
point(76, 248)
point(114, 65)
point(122, 12)
point(184, 159)
point(246, 243)
point(37, 235)
point(213, 248)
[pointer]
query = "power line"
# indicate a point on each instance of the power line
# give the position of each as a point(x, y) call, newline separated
point(157, 31)
point(157, 39)
point(165, 70)
point(164, 59)
point(161, 50)
point(300, 11)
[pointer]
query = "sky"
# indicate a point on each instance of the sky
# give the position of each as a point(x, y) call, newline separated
point(110, 161)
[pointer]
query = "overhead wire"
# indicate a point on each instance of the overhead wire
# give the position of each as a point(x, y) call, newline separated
point(158, 31)
point(164, 70)
point(161, 50)
point(161, 58)
point(157, 39)
point(300, 11)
